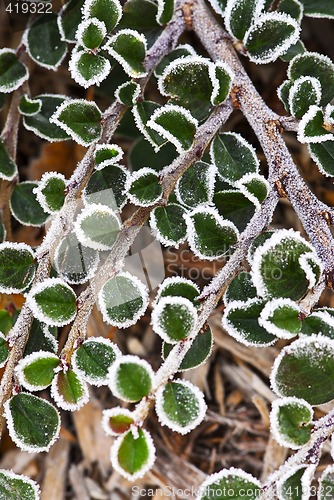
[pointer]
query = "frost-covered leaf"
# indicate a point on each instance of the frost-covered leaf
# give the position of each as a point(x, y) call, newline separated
point(128, 47)
point(320, 321)
point(53, 302)
point(97, 227)
point(130, 378)
point(241, 288)
point(318, 8)
point(179, 287)
point(198, 353)
point(180, 406)
point(91, 33)
point(240, 320)
point(255, 187)
point(219, 6)
point(323, 155)
point(232, 479)
point(293, 51)
point(235, 206)
point(281, 318)
point(107, 187)
point(196, 186)
point(36, 371)
point(93, 359)
point(17, 267)
point(116, 421)
point(8, 168)
point(179, 51)
point(283, 93)
point(290, 420)
point(165, 11)
point(41, 339)
point(128, 93)
point(133, 454)
point(293, 8)
point(106, 11)
point(69, 391)
point(174, 318)
point(256, 243)
point(29, 107)
point(12, 72)
point(209, 235)
point(168, 224)
point(74, 262)
point(295, 484)
point(304, 92)
point(143, 187)
point(80, 119)
point(32, 422)
point(4, 351)
point(107, 154)
point(310, 128)
point(142, 113)
point(240, 15)
point(14, 486)
point(50, 192)
point(88, 68)
point(40, 123)
point(24, 205)
point(43, 42)
point(233, 156)
point(305, 370)
point(176, 124)
point(68, 20)
point(123, 300)
point(270, 36)
point(326, 480)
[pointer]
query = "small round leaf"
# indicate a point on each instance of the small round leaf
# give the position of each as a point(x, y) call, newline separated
point(130, 378)
point(17, 267)
point(174, 318)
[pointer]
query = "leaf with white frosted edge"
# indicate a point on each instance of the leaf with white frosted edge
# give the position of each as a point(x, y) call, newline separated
point(229, 479)
point(41, 339)
point(197, 355)
point(310, 128)
point(255, 187)
point(69, 390)
point(4, 350)
point(123, 299)
point(107, 11)
point(43, 42)
point(180, 406)
point(40, 122)
point(168, 224)
point(326, 482)
point(233, 205)
point(8, 168)
point(91, 33)
point(283, 93)
point(323, 155)
point(270, 36)
point(165, 11)
point(174, 318)
point(116, 421)
point(107, 187)
point(178, 287)
point(143, 187)
point(196, 186)
point(295, 484)
point(12, 72)
point(304, 92)
point(240, 15)
point(293, 8)
point(290, 422)
point(128, 93)
point(233, 156)
point(329, 115)
point(256, 243)
point(33, 423)
point(14, 486)
point(240, 320)
point(141, 113)
point(69, 17)
point(209, 235)
point(222, 77)
point(318, 66)
point(318, 8)
point(107, 154)
point(133, 454)
point(284, 266)
point(80, 119)
point(130, 378)
point(17, 267)
point(25, 207)
point(88, 68)
point(128, 47)
point(320, 321)
point(241, 288)
point(176, 124)
point(29, 107)
point(293, 51)
point(281, 318)
point(36, 371)
point(218, 6)
point(183, 50)
point(93, 358)
point(305, 370)
point(50, 192)
point(53, 302)
point(97, 227)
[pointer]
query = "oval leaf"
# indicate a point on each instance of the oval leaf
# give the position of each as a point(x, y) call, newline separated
point(130, 378)
point(17, 267)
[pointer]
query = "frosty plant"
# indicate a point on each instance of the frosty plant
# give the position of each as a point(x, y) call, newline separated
point(201, 185)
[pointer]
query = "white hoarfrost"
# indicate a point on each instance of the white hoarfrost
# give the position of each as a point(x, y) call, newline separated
point(114, 412)
point(326, 487)
point(241, 184)
point(231, 5)
point(27, 360)
point(96, 78)
point(59, 398)
point(227, 475)
point(305, 482)
point(31, 101)
point(53, 67)
point(89, 5)
point(307, 118)
point(159, 236)
point(10, 87)
point(210, 180)
point(295, 89)
point(20, 477)
point(38, 191)
point(113, 381)
point(315, 55)
point(329, 115)
point(268, 312)
point(135, 95)
point(129, 70)
point(138, 174)
point(114, 158)
point(171, 281)
point(214, 80)
point(84, 25)
point(17, 247)
point(276, 405)
point(177, 303)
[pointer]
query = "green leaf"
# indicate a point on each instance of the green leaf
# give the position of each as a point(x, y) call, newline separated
point(107, 154)
point(80, 119)
point(323, 155)
point(235, 206)
point(97, 227)
point(12, 72)
point(326, 483)
point(24, 205)
point(198, 353)
point(209, 235)
point(305, 370)
point(291, 422)
point(17, 267)
point(180, 406)
point(50, 192)
point(130, 378)
point(179, 287)
point(144, 188)
point(142, 113)
point(310, 128)
point(53, 302)
point(69, 18)
point(88, 68)
point(6, 322)
point(293, 8)
point(240, 320)
point(241, 288)
point(255, 187)
point(233, 156)
point(318, 8)
point(116, 421)
point(293, 51)
point(270, 36)
point(8, 168)
point(218, 6)
point(128, 47)
point(123, 300)
point(305, 92)
point(128, 93)
point(133, 454)
point(33, 423)
point(93, 359)
point(91, 33)
point(40, 339)
point(294, 483)
point(174, 318)
point(226, 480)
point(107, 187)
point(36, 371)
point(142, 154)
point(240, 15)
point(69, 391)
point(165, 11)
point(29, 107)
point(281, 318)
point(179, 51)
point(196, 185)
point(14, 486)
point(168, 224)
point(4, 351)
point(319, 322)
point(43, 42)
point(283, 93)
point(107, 11)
